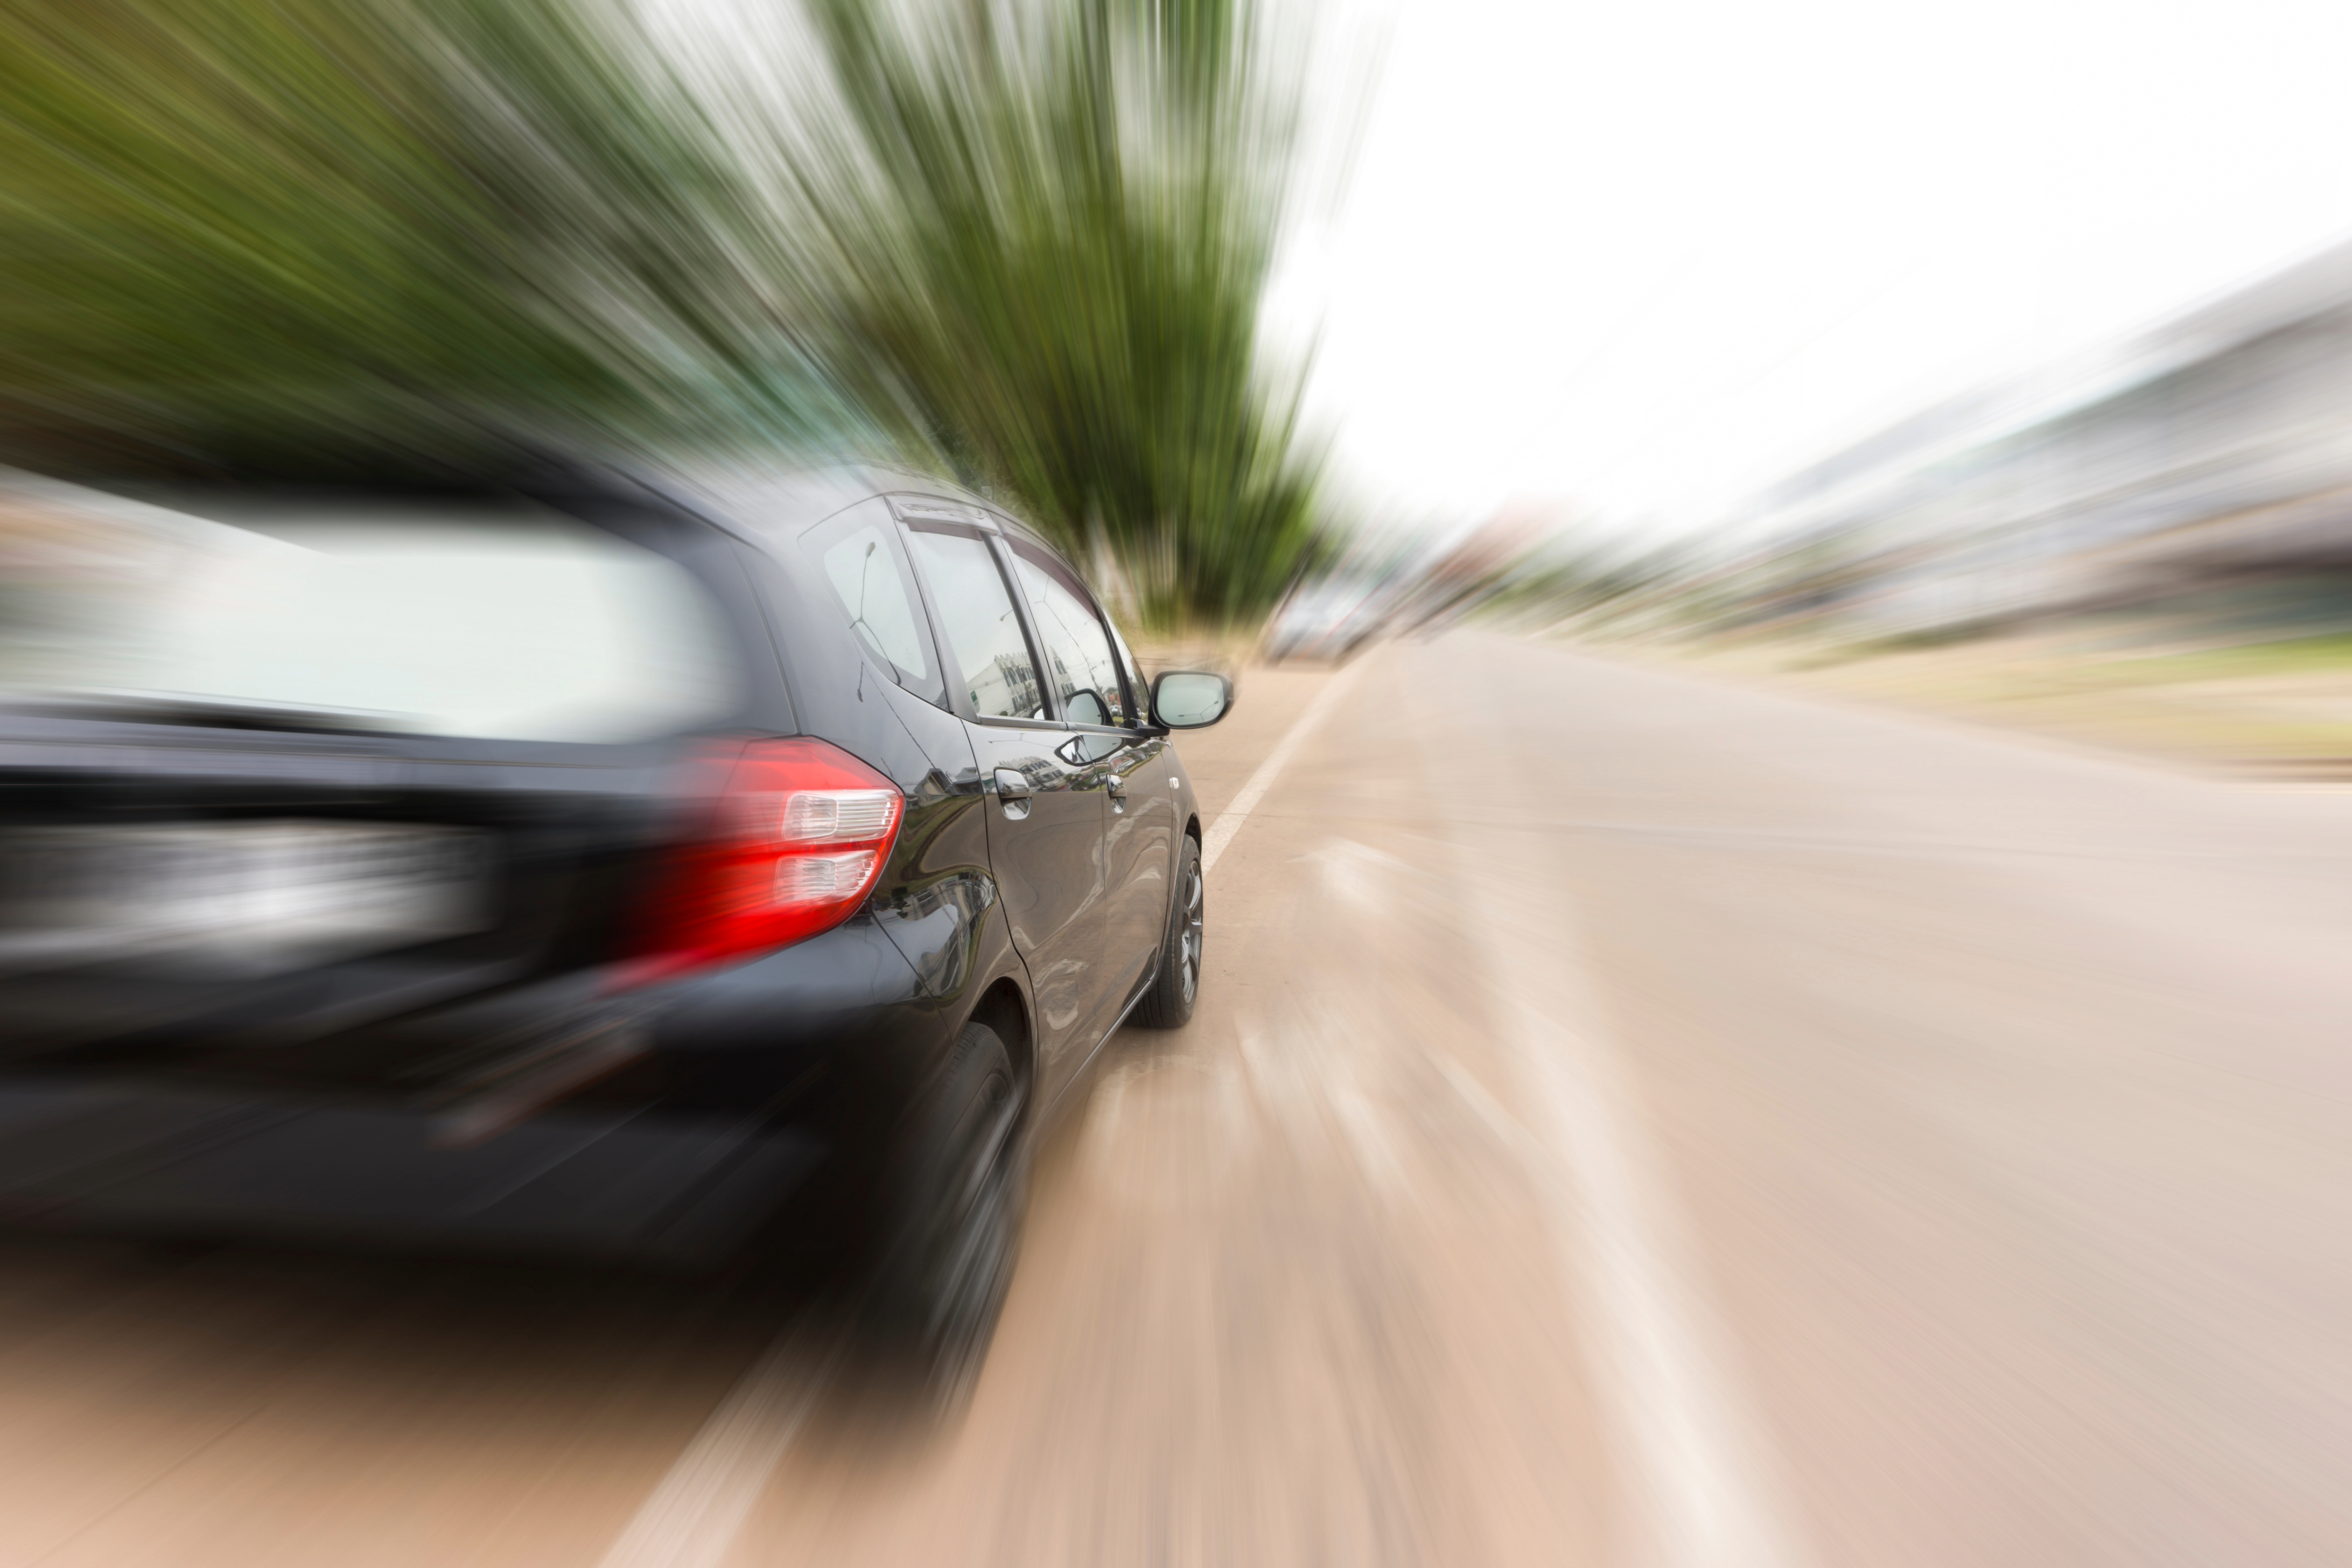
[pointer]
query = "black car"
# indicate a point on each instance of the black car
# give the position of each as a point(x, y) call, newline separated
point(578, 865)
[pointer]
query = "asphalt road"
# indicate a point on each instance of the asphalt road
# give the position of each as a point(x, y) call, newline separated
point(1630, 1120)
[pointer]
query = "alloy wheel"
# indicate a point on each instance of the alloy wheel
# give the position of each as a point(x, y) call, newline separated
point(1195, 902)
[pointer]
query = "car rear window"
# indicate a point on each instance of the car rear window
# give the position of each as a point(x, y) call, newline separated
point(483, 620)
point(858, 552)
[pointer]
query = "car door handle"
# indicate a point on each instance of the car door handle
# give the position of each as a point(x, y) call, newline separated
point(1118, 788)
point(1013, 793)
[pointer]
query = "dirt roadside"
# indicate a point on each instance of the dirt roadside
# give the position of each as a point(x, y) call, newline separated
point(2277, 712)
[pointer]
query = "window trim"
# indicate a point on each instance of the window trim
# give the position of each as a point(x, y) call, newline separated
point(1130, 669)
point(958, 695)
point(1008, 568)
point(1063, 572)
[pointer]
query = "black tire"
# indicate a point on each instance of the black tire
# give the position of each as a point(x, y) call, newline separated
point(955, 1201)
point(1168, 1003)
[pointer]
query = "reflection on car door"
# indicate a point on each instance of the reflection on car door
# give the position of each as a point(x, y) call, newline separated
point(1084, 671)
point(1046, 814)
point(1141, 853)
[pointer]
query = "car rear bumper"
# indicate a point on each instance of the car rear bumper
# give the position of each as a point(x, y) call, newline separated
point(665, 1124)
point(162, 1161)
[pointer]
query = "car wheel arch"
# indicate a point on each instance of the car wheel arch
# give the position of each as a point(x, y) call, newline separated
point(1004, 1009)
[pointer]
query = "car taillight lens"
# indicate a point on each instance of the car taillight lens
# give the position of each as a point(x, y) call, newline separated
point(797, 837)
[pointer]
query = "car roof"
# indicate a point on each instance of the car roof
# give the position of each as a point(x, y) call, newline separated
point(771, 500)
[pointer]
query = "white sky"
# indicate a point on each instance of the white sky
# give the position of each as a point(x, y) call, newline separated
point(1647, 258)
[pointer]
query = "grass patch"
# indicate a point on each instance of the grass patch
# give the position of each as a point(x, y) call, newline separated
point(2322, 655)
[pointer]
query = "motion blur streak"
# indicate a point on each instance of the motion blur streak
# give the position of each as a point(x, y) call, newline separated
point(1995, 1092)
point(2147, 545)
point(1040, 232)
point(1993, 1085)
point(1687, 1438)
point(556, 488)
point(1229, 821)
point(694, 1515)
point(350, 237)
point(1023, 242)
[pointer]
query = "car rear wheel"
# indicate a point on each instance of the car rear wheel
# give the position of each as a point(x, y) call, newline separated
point(957, 1200)
point(1168, 1003)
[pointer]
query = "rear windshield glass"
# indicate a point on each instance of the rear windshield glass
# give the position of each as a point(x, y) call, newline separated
point(859, 553)
point(477, 620)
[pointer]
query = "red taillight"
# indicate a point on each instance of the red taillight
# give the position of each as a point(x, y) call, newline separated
point(798, 836)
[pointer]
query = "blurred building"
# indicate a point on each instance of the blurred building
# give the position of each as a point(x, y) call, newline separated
point(2215, 449)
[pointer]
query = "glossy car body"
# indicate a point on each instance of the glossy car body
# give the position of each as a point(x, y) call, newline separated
point(527, 1081)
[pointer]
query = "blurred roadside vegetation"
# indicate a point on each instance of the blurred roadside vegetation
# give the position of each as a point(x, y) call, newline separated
point(2277, 708)
point(1023, 243)
point(2253, 677)
point(2250, 673)
point(348, 238)
point(1052, 227)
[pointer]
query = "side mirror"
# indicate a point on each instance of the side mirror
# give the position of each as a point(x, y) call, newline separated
point(1190, 699)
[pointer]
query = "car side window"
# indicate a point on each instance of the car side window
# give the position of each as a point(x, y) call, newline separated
point(860, 555)
point(987, 651)
point(1079, 663)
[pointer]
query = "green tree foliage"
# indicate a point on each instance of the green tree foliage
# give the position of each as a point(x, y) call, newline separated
point(1024, 239)
point(298, 236)
point(1050, 227)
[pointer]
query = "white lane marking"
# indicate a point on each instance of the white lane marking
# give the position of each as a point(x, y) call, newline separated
point(1499, 1121)
point(693, 1516)
point(1229, 822)
point(1694, 1452)
point(1703, 1484)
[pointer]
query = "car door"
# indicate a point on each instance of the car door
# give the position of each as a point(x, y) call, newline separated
point(1046, 814)
point(1085, 674)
